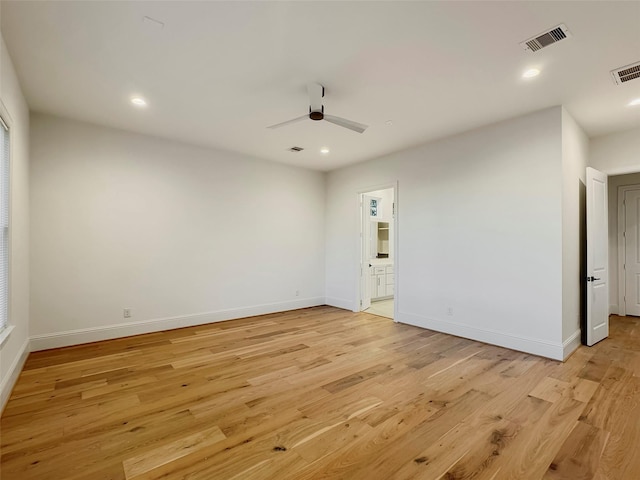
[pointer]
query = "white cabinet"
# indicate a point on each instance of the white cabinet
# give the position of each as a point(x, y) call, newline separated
point(381, 286)
point(382, 281)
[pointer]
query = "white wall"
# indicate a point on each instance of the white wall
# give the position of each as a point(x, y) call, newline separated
point(480, 230)
point(613, 184)
point(616, 154)
point(181, 235)
point(14, 350)
point(575, 154)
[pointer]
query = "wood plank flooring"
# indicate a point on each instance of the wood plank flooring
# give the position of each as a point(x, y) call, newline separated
point(323, 393)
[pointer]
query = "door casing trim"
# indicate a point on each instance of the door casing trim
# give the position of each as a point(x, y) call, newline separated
point(622, 278)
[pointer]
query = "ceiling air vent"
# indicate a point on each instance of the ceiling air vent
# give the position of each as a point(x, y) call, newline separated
point(296, 149)
point(546, 38)
point(625, 74)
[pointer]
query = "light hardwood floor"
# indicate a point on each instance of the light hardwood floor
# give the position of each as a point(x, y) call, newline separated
point(323, 393)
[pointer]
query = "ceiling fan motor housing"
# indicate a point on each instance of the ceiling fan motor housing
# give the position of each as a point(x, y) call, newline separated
point(315, 115)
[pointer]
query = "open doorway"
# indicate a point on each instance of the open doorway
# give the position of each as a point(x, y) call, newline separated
point(377, 284)
point(624, 243)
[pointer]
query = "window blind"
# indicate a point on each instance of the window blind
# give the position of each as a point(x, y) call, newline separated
point(4, 224)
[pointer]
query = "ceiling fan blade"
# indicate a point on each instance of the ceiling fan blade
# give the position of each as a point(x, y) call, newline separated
point(278, 125)
point(343, 122)
point(316, 92)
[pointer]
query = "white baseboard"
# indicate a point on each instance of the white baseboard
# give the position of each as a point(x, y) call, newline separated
point(570, 344)
point(614, 309)
point(534, 346)
point(341, 303)
point(95, 334)
point(13, 373)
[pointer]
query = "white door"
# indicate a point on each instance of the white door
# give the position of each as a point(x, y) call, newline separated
point(365, 265)
point(632, 252)
point(597, 258)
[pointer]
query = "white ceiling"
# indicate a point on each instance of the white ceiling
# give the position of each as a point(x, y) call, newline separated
point(218, 73)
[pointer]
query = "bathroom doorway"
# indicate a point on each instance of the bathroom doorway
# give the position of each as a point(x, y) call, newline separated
point(378, 237)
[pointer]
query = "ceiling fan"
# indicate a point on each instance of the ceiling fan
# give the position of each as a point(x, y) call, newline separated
point(316, 112)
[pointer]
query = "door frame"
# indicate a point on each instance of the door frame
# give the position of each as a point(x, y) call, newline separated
point(622, 278)
point(359, 239)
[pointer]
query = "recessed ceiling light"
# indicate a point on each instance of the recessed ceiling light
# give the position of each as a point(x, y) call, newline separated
point(139, 101)
point(324, 150)
point(532, 72)
point(634, 102)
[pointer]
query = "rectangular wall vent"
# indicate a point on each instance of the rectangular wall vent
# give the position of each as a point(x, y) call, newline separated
point(625, 74)
point(546, 38)
point(296, 149)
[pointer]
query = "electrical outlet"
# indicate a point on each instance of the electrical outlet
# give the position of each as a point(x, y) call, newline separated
point(450, 311)
point(127, 313)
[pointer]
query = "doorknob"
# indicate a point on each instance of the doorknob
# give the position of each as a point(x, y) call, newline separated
point(592, 279)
